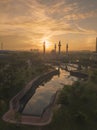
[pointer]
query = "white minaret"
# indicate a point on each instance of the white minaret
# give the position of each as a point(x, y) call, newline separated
point(44, 48)
point(59, 45)
point(55, 48)
point(67, 49)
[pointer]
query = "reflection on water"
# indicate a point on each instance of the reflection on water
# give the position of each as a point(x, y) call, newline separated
point(42, 97)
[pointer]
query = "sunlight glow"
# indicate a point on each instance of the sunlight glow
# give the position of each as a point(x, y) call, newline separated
point(34, 21)
point(47, 42)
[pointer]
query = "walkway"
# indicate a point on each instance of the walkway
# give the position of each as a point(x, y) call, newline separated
point(13, 116)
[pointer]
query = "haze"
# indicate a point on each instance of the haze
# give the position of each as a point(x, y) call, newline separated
point(26, 24)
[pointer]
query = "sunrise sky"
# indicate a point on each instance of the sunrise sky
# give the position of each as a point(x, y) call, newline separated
point(26, 24)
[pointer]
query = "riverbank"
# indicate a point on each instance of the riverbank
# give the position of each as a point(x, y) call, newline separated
point(13, 115)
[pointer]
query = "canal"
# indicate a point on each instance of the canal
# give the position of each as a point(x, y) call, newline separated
point(45, 92)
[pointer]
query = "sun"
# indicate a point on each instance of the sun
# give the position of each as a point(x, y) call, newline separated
point(47, 43)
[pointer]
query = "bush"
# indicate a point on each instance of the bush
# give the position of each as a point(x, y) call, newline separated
point(79, 105)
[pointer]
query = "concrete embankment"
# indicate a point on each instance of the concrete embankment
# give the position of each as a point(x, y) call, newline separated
point(76, 73)
point(24, 95)
point(43, 78)
point(29, 90)
point(79, 74)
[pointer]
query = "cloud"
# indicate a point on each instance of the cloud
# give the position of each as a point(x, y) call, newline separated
point(35, 19)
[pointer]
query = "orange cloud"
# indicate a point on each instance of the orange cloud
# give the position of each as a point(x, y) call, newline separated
point(32, 21)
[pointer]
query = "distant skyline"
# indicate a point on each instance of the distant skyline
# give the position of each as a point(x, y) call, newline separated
point(26, 24)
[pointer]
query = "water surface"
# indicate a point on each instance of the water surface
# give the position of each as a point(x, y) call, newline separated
point(44, 93)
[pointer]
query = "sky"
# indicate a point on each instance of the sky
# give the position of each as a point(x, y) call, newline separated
point(26, 24)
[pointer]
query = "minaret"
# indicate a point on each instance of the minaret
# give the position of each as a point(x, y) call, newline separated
point(67, 49)
point(44, 47)
point(55, 48)
point(59, 46)
point(96, 44)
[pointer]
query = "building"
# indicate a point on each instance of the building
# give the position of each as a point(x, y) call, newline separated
point(59, 45)
point(55, 48)
point(44, 48)
point(67, 49)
